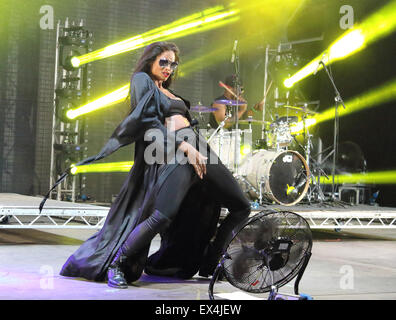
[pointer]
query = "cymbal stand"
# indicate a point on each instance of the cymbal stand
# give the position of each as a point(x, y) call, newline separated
point(317, 188)
point(220, 126)
point(238, 92)
point(265, 90)
point(338, 100)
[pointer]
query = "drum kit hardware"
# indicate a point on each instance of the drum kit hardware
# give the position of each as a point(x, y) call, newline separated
point(254, 122)
point(302, 110)
point(274, 171)
point(270, 172)
point(202, 109)
point(230, 102)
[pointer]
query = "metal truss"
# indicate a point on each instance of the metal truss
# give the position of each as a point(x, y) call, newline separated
point(71, 85)
point(52, 218)
point(350, 220)
point(337, 220)
point(80, 216)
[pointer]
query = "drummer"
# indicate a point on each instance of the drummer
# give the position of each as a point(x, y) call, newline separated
point(217, 116)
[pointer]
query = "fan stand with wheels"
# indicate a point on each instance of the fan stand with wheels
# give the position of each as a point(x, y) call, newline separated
point(269, 250)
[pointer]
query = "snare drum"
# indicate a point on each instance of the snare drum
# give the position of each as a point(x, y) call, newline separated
point(281, 175)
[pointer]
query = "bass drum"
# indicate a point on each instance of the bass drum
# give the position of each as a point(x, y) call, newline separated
point(282, 175)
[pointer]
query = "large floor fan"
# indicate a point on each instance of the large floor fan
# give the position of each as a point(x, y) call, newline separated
point(269, 250)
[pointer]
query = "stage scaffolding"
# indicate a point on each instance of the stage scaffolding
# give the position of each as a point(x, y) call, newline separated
point(19, 211)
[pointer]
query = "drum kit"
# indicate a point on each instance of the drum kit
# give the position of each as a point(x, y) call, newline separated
point(269, 171)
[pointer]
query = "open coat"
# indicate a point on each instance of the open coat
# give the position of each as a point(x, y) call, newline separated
point(184, 242)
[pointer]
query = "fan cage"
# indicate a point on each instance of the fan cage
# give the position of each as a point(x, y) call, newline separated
point(255, 282)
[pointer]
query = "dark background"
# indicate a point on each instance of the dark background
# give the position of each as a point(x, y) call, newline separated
point(27, 56)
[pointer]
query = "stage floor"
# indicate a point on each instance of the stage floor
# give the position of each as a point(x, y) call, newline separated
point(352, 256)
point(347, 265)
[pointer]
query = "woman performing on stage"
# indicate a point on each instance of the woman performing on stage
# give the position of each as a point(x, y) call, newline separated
point(178, 195)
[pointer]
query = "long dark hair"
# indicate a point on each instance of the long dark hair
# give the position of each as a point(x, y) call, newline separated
point(150, 53)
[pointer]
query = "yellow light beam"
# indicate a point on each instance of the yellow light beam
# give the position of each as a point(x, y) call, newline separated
point(381, 177)
point(102, 102)
point(376, 26)
point(123, 166)
point(377, 96)
point(197, 22)
point(347, 44)
point(299, 126)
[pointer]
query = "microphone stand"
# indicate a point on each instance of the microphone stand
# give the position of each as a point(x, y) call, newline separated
point(338, 100)
point(238, 89)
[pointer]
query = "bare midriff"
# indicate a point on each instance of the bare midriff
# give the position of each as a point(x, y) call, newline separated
point(176, 122)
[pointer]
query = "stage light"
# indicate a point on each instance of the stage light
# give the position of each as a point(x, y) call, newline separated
point(74, 40)
point(66, 99)
point(123, 166)
point(75, 62)
point(374, 97)
point(107, 100)
point(381, 177)
point(198, 22)
point(376, 26)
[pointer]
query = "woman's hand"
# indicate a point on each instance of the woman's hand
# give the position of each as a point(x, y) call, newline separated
point(195, 158)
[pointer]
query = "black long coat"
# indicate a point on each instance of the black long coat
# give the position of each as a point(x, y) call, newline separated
point(184, 242)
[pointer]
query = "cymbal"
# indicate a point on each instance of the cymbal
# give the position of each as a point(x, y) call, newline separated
point(230, 102)
point(252, 121)
point(288, 119)
point(286, 100)
point(299, 109)
point(316, 102)
point(200, 108)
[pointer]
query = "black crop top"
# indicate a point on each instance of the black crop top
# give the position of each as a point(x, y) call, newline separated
point(177, 107)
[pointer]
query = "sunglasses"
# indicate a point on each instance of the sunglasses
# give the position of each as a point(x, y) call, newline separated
point(165, 63)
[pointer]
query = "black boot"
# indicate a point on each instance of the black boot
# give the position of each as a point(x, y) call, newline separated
point(137, 240)
point(141, 236)
point(217, 248)
point(115, 275)
point(209, 262)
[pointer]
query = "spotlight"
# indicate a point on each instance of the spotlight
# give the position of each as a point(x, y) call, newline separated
point(66, 99)
point(70, 62)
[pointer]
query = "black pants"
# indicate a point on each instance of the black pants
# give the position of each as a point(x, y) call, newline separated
point(219, 179)
point(222, 185)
